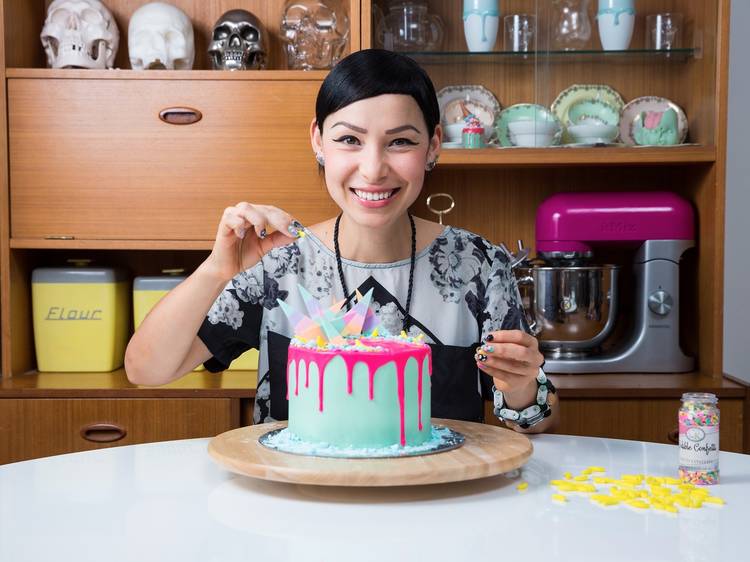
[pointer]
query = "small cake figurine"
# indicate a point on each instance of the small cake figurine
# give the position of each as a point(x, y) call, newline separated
point(473, 131)
point(353, 389)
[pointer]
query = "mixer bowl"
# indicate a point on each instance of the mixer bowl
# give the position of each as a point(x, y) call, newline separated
point(569, 308)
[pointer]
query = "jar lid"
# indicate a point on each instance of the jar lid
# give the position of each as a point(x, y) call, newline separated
point(78, 275)
point(704, 397)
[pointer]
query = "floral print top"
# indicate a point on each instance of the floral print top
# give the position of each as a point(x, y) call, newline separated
point(463, 289)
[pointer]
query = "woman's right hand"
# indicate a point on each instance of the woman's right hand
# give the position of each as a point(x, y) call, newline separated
point(247, 227)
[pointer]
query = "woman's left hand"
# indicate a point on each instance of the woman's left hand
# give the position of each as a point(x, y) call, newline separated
point(512, 359)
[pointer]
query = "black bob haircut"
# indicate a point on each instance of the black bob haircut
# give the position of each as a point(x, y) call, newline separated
point(374, 72)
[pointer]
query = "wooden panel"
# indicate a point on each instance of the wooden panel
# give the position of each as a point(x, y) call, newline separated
point(644, 419)
point(31, 428)
point(25, 19)
point(105, 150)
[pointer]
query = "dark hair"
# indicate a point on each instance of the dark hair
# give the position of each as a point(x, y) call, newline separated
point(374, 72)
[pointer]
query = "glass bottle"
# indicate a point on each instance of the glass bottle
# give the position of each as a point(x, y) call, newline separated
point(699, 438)
point(571, 25)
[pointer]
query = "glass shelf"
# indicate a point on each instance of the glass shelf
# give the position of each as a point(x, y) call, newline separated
point(629, 55)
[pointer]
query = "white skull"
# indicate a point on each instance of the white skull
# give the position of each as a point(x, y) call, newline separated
point(80, 34)
point(237, 42)
point(315, 33)
point(160, 36)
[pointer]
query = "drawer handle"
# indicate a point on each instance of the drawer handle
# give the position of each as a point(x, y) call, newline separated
point(180, 115)
point(103, 432)
point(674, 436)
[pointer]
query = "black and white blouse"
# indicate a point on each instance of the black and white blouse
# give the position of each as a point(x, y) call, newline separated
point(463, 289)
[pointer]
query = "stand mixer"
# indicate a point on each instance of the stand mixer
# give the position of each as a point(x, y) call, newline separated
point(572, 304)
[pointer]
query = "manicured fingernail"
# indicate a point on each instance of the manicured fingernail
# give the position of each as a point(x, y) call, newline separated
point(481, 357)
point(488, 348)
point(241, 233)
point(489, 337)
point(296, 229)
point(481, 366)
point(263, 233)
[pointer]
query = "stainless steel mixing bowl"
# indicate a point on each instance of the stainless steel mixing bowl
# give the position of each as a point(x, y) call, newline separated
point(569, 308)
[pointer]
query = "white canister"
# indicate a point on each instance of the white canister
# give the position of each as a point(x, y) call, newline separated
point(616, 19)
point(481, 22)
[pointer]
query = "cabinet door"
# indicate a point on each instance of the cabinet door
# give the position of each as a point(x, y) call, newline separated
point(93, 159)
point(31, 428)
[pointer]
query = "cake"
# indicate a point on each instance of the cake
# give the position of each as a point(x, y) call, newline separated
point(351, 387)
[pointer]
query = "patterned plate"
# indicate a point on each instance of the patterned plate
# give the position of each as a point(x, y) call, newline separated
point(631, 117)
point(478, 99)
point(579, 92)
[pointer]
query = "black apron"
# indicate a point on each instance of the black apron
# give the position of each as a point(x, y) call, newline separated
point(454, 381)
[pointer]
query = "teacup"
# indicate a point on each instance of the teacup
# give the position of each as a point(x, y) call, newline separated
point(529, 132)
point(589, 131)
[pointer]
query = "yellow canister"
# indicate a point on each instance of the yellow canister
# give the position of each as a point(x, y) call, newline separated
point(81, 318)
point(149, 290)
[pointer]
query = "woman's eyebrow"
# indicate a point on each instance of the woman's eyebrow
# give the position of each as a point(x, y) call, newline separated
point(364, 131)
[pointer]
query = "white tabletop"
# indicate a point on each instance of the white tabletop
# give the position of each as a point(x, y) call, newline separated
point(170, 501)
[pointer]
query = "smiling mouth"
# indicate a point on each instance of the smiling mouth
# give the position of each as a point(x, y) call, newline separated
point(374, 195)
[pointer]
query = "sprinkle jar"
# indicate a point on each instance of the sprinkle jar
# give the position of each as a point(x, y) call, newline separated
point(472, 132)
point(699, 439)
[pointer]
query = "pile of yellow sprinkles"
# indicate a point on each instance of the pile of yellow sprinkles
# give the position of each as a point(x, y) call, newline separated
point(637, 491)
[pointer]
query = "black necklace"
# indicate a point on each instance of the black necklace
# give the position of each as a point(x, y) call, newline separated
point(411, 269)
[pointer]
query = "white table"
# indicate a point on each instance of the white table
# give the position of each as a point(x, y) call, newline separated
point(170, 501)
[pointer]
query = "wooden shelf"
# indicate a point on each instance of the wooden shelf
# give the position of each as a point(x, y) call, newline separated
point(76, 244)
point(561, 156)
point(126, 74)
point(643, 385)
point(198, 384)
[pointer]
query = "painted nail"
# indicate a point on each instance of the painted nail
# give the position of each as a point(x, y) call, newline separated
point(481, 357)
point(263, 233)
point(489, 337)
point(295, 229)
point(241, 233)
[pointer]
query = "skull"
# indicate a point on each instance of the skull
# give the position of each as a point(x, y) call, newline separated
point(315, 33)
point(160, 36)
point(80, 34)
point(237, 42)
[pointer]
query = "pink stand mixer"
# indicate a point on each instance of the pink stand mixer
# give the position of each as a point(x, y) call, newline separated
point(572, 304)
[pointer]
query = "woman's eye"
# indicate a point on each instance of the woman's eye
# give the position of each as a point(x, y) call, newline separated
point(348, 139)
point(404, 142)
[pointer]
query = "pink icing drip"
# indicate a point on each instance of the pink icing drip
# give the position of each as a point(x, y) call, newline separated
point(394, 351)
point(296, 382)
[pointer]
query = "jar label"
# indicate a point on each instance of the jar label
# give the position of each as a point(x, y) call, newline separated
point(699, 447)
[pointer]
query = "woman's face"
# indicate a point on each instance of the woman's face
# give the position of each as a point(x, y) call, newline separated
point(375, 154)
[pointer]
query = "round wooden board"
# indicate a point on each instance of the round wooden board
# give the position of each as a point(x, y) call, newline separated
point(488, 450)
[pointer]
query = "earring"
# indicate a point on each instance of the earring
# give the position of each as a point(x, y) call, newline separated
point(320, 159)
point(431, 165)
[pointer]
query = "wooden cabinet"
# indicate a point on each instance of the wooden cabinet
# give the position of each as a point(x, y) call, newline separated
point(89, 170)
point(55, 426)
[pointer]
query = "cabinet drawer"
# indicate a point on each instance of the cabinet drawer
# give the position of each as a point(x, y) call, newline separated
point(93, 159)
point(31, 428)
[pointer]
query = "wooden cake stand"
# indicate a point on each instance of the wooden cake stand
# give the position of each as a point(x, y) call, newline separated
point(487, 451)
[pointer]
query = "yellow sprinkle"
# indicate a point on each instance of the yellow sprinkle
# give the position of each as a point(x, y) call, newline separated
point(557, 482)
point(639, 504)
point(301, 339)
point(301, 234)
point(403, 334)
point(632, 478)
point(714, 499)
point(586, 488)
point(593, 469)
point(559, 498)
point(603, 480)
point(568, 476)
point(672, 481)
point(586, 471)
point(661, 491)
point(420, 336)
point(321, 342)
point(581, 478)
point(522, 486)
point(699, 493)
point(375, 333)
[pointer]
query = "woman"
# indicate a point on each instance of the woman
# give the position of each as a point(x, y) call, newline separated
point(375, 134)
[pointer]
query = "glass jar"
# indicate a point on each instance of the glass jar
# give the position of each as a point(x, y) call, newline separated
point(699, 438)
point(571, 24)
point(409, 27)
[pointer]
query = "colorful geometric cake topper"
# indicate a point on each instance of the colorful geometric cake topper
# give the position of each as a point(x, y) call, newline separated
point(332, 324)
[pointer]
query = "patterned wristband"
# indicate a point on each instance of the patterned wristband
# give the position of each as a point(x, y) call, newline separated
point(531, 415)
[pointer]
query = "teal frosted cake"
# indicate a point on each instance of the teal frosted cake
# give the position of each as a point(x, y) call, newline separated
point(350, 387)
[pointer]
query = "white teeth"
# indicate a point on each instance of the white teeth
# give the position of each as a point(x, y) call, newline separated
point(373, 196)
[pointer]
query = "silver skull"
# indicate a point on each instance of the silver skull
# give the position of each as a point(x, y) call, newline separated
point(315, 33)
point(80, 34)
point(238, 42)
